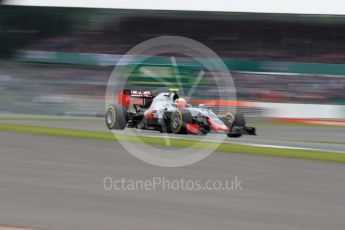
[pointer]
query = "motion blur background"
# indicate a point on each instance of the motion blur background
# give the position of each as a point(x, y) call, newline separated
point(288, 66)
point(58, 60)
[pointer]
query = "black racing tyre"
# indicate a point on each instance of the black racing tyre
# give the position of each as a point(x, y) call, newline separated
point(235, 132)
point(239, 120)
point(237, 126)
point(116, 117)
point(231, 120)
point(228, 119)
point(179, 119)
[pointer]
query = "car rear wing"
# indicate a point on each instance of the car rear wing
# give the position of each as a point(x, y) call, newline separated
point(124, 97)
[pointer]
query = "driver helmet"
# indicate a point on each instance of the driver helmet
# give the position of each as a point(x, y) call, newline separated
point(181, 103)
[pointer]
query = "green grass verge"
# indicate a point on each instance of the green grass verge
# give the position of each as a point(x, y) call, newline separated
point(179, 143)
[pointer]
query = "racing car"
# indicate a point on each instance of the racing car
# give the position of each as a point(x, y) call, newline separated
point(168, 113)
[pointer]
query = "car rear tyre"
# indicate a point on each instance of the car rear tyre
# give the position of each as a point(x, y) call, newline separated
point(179, 119)
point(116, 117)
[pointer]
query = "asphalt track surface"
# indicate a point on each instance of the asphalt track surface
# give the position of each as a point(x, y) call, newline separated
point(57, 183)
point(310, 137)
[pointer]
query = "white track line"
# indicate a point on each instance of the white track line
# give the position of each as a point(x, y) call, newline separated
point(248, 144)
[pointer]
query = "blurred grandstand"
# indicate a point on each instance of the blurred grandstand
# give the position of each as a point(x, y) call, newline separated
point(230, 35)
point(261, 51)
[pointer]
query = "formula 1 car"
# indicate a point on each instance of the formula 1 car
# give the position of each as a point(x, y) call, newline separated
point(169, 113)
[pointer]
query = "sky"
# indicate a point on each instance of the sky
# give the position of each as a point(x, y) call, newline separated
point(334, 7)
